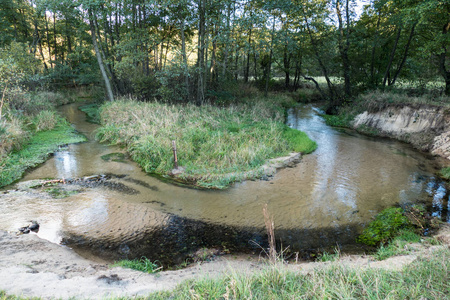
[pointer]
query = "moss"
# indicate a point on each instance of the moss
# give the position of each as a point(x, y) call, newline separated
point(59, 193)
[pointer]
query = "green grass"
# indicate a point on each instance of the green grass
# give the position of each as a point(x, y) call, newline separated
point(144, 265)
point(398, 246)
point(216, 145)
point(425, 278)
point(36, 150)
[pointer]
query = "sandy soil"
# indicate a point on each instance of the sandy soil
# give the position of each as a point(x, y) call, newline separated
point(30, 266)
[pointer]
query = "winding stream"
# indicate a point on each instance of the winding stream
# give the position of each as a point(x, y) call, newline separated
point(322, 201)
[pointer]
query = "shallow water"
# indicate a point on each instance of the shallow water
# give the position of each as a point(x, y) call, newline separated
point(322, 201)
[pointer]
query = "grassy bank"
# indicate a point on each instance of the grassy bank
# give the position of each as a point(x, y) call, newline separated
point(36, 150)
point(216, 145)
point(425, 278)
point(30, 129)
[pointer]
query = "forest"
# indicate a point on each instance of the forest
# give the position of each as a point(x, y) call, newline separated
point(203, 51)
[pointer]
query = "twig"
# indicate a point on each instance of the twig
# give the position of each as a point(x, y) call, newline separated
point(268, 220)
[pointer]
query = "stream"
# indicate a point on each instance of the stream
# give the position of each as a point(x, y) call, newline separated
point(324, 201)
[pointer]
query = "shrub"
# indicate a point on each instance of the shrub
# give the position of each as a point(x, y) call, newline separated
point(45, 120)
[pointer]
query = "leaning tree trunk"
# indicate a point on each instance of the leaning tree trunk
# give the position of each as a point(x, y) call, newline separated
point(99, 58)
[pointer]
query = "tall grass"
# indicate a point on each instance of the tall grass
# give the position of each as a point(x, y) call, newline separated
point(216, 145)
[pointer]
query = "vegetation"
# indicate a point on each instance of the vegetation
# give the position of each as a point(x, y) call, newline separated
point(36, 150)
point(385, 226)
point(216, 146)
point(445, 173)
point(144, 265)
point(424, 278)
point(196, 51)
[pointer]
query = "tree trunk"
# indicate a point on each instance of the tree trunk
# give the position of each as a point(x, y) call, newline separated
point(201, 52)
point(375, 44)
point(405, 55)
point(99, 57)
point(442, 62)
point(48, 42)
point(185, 62)
point(287, 67)
point(54, 37)
point(269, 66)
point(322, 65)
point(213, 70)
point(391, 58)
point(343, 48)
point(247, 67)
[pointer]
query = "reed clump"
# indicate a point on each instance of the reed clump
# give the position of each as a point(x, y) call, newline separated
point(216, 145)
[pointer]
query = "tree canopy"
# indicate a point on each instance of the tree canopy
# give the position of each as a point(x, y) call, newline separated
point(196, 51)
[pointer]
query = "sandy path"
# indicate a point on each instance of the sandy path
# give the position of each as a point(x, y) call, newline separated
point(30, 266)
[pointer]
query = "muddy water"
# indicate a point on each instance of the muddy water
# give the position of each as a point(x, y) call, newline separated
point(322, 201)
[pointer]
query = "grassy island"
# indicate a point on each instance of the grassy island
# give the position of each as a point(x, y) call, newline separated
point(216, 145)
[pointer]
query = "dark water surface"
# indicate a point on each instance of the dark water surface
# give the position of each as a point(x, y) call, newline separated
point(322, 201)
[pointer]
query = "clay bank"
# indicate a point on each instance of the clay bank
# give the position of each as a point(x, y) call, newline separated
point(426, 127)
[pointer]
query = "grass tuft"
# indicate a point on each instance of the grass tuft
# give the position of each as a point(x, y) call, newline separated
point(143, 264)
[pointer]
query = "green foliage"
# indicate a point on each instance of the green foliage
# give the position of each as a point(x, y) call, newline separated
point(385, 226)
point(340, 120)
point(143, 264)
point(445, 172)
point(216, 146)
point(325, 256)
point(92, 112)
point(36, 150)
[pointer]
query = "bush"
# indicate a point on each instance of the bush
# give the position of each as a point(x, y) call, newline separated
point(45, 120)
point(385, 226)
